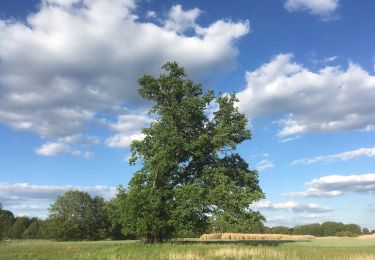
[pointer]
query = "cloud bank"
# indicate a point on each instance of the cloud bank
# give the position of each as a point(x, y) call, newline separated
point(67, 62)
point(303, 101)
point(34, 200)
point(337, 185)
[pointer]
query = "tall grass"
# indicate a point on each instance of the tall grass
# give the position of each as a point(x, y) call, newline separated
point(322, 249)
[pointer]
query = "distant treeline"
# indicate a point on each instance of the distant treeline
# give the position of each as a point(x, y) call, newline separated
point(78, 216)
point(75, 215)
point(325, 229)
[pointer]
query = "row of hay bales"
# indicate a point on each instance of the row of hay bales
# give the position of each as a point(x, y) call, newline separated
point(239, 236)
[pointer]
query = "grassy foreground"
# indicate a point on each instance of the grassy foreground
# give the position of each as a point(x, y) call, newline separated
point(320, 248)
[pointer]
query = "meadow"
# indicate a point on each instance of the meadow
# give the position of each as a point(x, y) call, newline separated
point(319, 248)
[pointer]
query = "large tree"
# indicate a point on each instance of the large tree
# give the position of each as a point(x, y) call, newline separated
point(191, 175)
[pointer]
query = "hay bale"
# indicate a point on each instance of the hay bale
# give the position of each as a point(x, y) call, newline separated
point(226, 236)
point(214, 236)
point(279, 237)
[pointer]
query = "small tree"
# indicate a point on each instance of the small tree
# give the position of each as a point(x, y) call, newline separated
point(191, 174)
point(365, 231)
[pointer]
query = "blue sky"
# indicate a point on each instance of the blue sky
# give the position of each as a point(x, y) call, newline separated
point(303, 72)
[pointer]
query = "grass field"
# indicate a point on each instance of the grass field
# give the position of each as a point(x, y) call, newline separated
point(320, 248)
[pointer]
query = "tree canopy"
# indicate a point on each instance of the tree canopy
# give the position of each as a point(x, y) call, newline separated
point(6, 222)
point(192, 178)
point(75, 215)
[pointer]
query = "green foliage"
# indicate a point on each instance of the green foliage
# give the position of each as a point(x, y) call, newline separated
point(116, 210)
point(329, 228)
point(77, 216)
point(280, 230)
point(311, 229)
point(365, 231)
point(191, 175)
point(19, 226)
point(32, 231)
point(345, 234)
point(353, 228)
point(6, 222)
point(189, 218)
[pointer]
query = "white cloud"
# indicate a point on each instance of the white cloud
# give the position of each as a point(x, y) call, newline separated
point(331, 99)
point(325, 60)
point(68, 61)
point(24, 191)
point(337, 185)
point(292, 206)
point(123, 140)
point(69, 145)
point(322, 8)
point(180, 20)
point(361, 152)
point(289, 139)
point(151, 14)
point(52, 149)
point(264, 165)
point(129, 128)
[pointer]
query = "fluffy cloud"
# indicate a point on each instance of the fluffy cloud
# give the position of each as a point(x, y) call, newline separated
point(331, 99)
point(321, 8)
point(180, 20)
point(34, 200)
point(336, 185)
point(361, 152)
point(68, 61)
point(128, 128)
point(291, 206)
point(71, 145)
point(264, 165)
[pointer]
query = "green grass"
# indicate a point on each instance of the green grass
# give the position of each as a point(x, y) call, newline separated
point(328, 248)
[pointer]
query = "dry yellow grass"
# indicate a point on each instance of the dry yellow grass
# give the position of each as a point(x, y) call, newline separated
point(362, 257)
point(184, 256)
point(248, 253)
point(239, 236)
point(372, 236)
